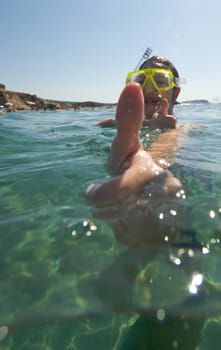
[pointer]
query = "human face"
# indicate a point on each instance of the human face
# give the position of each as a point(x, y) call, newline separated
point(152, 100)
point(152, 97)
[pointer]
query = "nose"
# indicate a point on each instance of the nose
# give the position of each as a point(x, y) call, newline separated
point(149, 87)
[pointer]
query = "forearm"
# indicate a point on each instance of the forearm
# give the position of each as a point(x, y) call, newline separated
point(163, 148)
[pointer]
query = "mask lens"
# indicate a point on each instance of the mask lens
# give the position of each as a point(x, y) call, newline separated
point(138, 78)
point(162, 80)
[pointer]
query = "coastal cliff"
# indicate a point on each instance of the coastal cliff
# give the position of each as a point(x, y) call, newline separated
point(19, 101)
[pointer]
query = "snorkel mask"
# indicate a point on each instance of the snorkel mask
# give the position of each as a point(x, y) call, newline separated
point(162, 79)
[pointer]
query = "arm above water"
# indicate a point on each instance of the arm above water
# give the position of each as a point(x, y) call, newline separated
point(160, 120)
point(168, 122)
point(107, 123)
point(163, 149)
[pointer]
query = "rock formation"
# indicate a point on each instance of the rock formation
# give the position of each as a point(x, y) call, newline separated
point(16, 101)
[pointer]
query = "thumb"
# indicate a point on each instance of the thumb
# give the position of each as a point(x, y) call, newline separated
point(164, 107)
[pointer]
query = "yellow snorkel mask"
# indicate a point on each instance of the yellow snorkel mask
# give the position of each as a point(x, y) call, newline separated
point(161, 79)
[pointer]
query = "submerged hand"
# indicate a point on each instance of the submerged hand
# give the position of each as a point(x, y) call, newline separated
point(140, 214)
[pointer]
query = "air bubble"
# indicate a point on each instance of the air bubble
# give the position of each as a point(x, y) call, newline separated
point(212, 214)
point(161, 314)
point(161, 216)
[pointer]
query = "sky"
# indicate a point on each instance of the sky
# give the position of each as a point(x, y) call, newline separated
point(82, 50)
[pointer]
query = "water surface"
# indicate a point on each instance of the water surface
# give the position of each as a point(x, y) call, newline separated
point(63, 280)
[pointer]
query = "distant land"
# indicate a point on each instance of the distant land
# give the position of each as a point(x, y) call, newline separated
point(199, 101)
point(14, 101)
point(20, 101)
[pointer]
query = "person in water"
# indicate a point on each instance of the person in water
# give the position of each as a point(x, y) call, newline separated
point(132, 198)
point(159, 79)
point(147, 99)
point(143, 201)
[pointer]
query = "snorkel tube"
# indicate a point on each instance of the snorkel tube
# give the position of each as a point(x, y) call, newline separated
point(145, 56)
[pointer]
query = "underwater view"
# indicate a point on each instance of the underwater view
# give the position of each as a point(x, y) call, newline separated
point(66, 282)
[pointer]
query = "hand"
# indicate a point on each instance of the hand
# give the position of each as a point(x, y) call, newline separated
point(161, 119)
point(134, 210)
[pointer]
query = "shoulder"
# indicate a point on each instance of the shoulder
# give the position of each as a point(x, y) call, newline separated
point(107, 123)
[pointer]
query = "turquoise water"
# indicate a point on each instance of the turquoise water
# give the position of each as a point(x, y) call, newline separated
point(65, 282)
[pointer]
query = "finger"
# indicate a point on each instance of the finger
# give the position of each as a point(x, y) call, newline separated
point(130, 110)
point(164, 107)
point(129, 119)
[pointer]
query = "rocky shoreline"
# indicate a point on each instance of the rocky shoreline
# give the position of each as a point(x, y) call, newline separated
point(13, 101)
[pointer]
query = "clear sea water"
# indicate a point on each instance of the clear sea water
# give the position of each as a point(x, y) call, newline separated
point(65, 283)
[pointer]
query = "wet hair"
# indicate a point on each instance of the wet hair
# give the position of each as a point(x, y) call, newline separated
point(160, 62)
